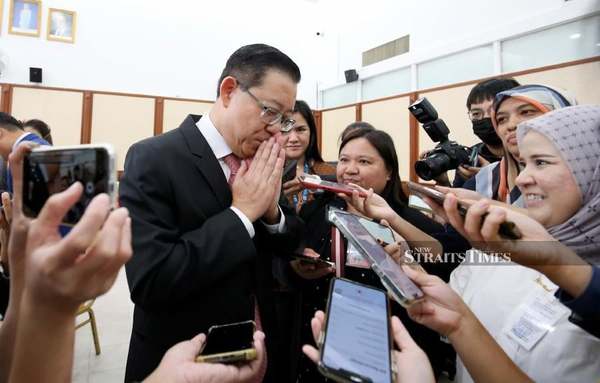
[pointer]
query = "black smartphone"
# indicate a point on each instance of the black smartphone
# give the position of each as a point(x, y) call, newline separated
point(289, 172)
point(357, 338)
point(507, 229)
point(313, 260)
point(48, 170)
point(230, 343)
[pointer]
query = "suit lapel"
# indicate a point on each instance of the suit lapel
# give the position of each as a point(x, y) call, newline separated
point(204, 159)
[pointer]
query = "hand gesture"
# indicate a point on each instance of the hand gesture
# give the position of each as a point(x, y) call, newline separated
point(65, 272)
point(372, 206)
point(292, 187)
point(257, 188)
point(411, 362)
point(309, 270)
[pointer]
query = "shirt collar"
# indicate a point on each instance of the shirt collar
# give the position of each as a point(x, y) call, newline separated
point(21, 138)
point(213, 137)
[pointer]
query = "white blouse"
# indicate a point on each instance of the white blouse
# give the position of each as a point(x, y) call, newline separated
point(511, 299)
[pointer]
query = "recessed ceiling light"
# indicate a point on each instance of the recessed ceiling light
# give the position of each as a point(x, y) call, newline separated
point(575, 36)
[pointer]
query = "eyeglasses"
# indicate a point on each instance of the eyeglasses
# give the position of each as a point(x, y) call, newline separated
point(272, 116)
point(299, 130)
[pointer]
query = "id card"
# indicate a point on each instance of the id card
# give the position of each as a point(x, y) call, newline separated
point(534, 318)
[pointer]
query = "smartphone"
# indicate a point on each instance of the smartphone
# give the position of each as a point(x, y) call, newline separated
point(357, 338)
point(312, 260)
point(229, 343)
point(378, 231)
point(311, 181)
point(507, 229)
point(417, 202)
point(402, 288)
point(48, 170)
point(289, 172)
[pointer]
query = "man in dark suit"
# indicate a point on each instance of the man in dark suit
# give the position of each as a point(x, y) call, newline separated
point(204, 228)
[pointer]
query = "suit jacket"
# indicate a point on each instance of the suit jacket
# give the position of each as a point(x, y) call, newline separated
point(194, 264)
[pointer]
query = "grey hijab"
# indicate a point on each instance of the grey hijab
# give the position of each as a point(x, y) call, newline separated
point(575, 131)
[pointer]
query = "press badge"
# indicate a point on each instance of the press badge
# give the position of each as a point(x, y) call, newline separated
point(355, 259)
point(534, 318)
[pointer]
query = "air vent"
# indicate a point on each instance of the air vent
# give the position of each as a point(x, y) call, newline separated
point(386, 51)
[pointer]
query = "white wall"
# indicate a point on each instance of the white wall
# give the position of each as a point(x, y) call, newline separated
point(178, 48)
point(436, 27)
point(169, 48)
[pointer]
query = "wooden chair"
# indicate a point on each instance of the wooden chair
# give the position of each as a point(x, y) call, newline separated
point(87, 308)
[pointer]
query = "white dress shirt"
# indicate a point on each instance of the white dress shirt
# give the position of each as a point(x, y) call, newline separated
point(220, 149)
point(496, 293)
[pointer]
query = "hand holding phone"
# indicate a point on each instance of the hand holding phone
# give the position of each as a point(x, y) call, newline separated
point(309, 256)
point(230, 343)
point(311, 181)
point(357, 338)
point(409, 354)
point(507, 229)
point(289, 172)
point(309, 265)
point(391, 275)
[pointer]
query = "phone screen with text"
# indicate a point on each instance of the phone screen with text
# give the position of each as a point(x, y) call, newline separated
point(357, 334)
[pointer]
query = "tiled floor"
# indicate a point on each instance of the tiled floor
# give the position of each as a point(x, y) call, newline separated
point(114, 313)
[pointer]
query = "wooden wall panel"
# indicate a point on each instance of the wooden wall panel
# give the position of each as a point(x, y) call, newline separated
point(176, 111)
point(61, 110)
point(334, 122)
point(391, 116)
point(581, 81)
point(121, 121)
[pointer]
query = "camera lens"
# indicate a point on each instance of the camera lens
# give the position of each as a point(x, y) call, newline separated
point(433, 166)
point(89, 188)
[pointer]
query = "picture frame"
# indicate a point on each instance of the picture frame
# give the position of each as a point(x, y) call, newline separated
point(25, 17)
point(62, 25)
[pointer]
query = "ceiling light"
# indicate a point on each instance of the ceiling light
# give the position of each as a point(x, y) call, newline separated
point(575, 36)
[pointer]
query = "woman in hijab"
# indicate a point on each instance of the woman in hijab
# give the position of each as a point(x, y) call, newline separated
point(497, 180)
point(560, 187)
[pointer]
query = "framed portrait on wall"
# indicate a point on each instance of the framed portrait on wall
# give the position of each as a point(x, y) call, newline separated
point(25, 17)
point(61, 25)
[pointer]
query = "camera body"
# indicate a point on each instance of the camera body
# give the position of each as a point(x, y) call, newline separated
point(447, 154)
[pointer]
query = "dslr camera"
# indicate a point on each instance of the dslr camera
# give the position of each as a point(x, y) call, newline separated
point(447, 154)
